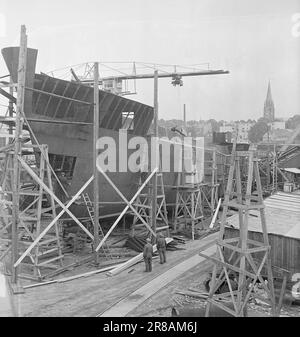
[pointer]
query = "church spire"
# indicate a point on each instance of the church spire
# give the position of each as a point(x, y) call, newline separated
point(269, 109)
point(269, 94)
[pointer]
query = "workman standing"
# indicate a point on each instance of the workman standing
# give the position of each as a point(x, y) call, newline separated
point(147, 254)
point(161, 248)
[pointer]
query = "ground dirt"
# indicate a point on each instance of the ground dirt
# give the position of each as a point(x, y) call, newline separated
point(93, 295)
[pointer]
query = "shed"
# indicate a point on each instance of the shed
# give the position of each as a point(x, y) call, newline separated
point(283, 223)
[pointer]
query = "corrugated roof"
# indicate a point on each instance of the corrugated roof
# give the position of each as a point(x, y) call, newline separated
point(282, 215)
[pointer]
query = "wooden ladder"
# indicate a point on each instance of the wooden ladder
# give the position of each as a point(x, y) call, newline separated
point(91, 212)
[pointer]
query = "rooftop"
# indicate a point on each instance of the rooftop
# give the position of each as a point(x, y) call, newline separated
point(282, 215)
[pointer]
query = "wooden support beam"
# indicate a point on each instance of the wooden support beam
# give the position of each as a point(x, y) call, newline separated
point(2, 256)
point(129, 205)
point(74, 75)
point(64, 209)
point(154, 179)
point(57, 121)
point(95, 170)
point(17, 150)
point(215, 214)
point(7, 95)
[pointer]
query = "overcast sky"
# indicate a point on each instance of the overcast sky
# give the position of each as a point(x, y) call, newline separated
point(251, 38)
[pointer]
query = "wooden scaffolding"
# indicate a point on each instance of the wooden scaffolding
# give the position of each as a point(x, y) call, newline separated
point(189, 200)
point(37, 209)
point(235, 256)
point(42, 235)
point(143, 206)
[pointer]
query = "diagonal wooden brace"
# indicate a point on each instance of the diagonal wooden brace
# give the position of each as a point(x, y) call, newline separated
point(64, 209)
point(129, 204)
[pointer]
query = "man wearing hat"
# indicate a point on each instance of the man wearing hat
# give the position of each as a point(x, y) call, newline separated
point(147, 254)
point(161, 248)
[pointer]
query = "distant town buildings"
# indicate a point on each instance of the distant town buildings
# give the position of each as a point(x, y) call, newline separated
point(243, 130)
point(269, 108)
point(279, 136)
point(277, 124)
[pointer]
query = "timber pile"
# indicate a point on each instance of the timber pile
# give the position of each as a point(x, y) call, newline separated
point(199, 233)
point(137, 243)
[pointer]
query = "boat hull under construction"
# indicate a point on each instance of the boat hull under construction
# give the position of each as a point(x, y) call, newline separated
point(60, 114)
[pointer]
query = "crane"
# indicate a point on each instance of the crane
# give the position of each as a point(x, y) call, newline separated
point(114, 83)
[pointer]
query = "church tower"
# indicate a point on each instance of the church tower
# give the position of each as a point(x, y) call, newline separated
point(269, 109)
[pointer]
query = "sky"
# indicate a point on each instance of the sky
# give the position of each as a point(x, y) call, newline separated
point(255, 40)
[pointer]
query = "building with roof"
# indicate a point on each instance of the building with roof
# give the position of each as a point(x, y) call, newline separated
point(282, 212)
point(243, 130)
point(279, 136)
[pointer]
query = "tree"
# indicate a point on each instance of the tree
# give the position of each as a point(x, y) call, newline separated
point(293, 122)
point(258, 130)
point(214, 125)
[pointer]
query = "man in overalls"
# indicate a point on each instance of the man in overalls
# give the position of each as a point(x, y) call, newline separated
point(147, 254)
point(161, 248)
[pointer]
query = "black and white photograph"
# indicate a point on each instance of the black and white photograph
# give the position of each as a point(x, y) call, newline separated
point(149, 162)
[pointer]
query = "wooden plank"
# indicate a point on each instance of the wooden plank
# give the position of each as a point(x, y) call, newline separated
point(39, 284)
point(49, 261)
point(126, 305)
point(215, 215)
point(102, 270)
point(70, 278)
point(191, 294)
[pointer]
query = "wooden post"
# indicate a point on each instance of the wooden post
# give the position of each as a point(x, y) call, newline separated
point(155, 127)
point(213, 182)
point(273, 180)
point(184, 117)
point(17, 150)
point(96, 180)
point(11, 107)
point(268, 169)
